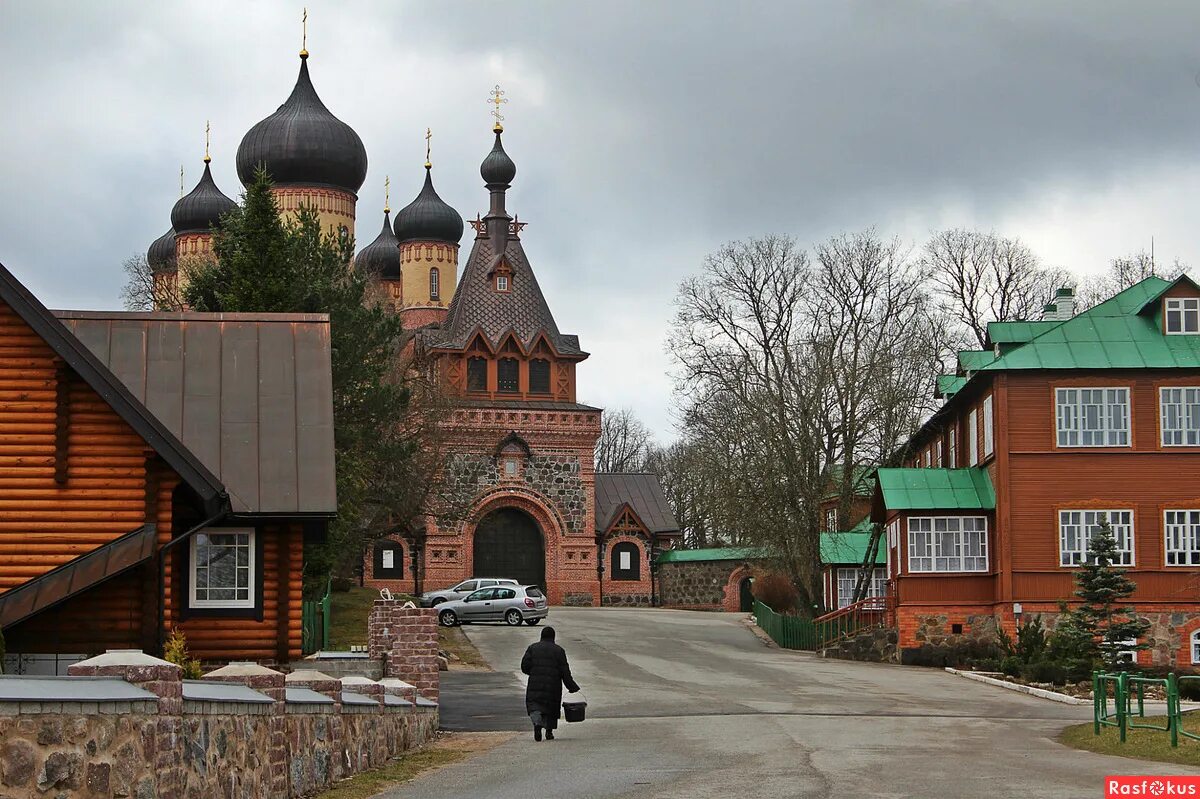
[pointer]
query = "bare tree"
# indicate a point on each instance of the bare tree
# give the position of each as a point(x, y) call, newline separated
point(981, 278)
point(144, 291)
point(1124, 272)
point(623, 444)
point(686, 472)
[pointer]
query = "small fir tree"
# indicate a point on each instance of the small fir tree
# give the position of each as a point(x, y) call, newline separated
point(176, 652)
point(1103, 618)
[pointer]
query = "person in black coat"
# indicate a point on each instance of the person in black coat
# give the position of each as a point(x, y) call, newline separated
point(546, 664)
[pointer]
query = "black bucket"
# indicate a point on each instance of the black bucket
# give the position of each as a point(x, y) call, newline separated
point(574, 711)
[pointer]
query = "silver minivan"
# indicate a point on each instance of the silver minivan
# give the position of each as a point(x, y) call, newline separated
point(433, 598)
point(511, 604)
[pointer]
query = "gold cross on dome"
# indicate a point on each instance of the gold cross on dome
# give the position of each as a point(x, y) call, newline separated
point(497, 99)
point(207, 135)
point(181, 180)
point(387, 193)
point(428, 136)
point(304, 33)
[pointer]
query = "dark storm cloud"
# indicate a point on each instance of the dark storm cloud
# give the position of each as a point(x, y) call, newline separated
point(645, 133)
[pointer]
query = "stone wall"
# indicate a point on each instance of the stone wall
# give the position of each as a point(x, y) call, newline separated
point(557, 478)
point(876, 645)
point(702, 585)
point(126, 725)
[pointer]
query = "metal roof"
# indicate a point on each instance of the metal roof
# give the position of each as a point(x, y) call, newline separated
point(642, 492)
point(71, 689)
point(250, 395)
point(721, 553)
point(936, 489)
point(949, 385)
point(211, 691)
point(850, 546)
point(48, 589)
point(974, 360)
point(1018, 332)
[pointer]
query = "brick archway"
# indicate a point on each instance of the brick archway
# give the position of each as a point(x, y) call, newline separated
point(731, 601)
point(529, 502)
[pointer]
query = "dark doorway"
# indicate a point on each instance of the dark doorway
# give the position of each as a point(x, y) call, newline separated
point(509, 544)
point(746, 594)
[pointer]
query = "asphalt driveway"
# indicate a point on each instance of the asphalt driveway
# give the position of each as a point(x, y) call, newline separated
point(694, 705)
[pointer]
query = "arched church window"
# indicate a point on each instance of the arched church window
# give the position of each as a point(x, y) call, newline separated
point(508, 375)
point(626, 561)
point(435, 284)
point(476, 374)
point(539, 376)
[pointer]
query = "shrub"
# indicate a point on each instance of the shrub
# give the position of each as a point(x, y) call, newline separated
point(176, 652)
point(776, 592)
point(1050, 671)
point(1011, 665)
point(1031, 640)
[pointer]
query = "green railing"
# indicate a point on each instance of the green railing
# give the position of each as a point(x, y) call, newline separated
point(1119, 700)
point(790, 632)
point(314, 622)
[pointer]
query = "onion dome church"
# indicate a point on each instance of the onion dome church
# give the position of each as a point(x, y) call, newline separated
point(517, 495)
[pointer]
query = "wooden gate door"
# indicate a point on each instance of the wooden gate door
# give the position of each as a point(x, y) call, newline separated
point(509, 544)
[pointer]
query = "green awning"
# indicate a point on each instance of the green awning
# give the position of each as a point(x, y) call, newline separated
point(949, 385)
point(936, 489)
point(850, 546)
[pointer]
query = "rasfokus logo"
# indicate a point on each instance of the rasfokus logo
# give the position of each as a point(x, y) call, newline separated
point(1151, 786)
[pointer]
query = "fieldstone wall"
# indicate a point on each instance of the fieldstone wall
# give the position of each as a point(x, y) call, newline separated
point(618, 600)
point(77, 754)
point(699, 585)
point(876, 645)
point(558, 478)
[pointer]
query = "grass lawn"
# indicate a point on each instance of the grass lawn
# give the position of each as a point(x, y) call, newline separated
point(1143, 744)
point(448, 748)
point(348, 626)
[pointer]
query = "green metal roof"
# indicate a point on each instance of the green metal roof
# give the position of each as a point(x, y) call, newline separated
point(937, 489)
point(1167, 284)
point(1110, 336)
point(974, 360)
point(850, 546)
point(949, 385)
point(724, 553)
point(1018, 332)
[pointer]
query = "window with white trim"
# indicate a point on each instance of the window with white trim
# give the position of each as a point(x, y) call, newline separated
point(1092, 417)
point(947, 544)
point(1196, 647)
point(1181, 529)
point(952, 449)
point(1182, 316)
point(973, 438)
point(928, 458)
point(847, 579)
point(1076, 528)
point(501, 282)
point(222, 569)
point(937, 453)
point(831, 524)
point(1179, 416)
point(989, 445)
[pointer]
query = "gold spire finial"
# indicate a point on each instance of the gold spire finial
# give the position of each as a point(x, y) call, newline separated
point(181, 180)
point(387, 194)
point(497, 99)
point(304, 34)
point(428, 136)
point(207, 134)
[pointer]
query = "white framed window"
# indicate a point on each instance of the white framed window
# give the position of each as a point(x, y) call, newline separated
point(937, 453)
point(501, 282)
point(893, 549)
point(947, 544)
point(952, 448)
point(1179, 416)
point(831, 520)
point(1183, 316)
point(1076, 528)
point(928, 458)
point(973, 438)
point(847, 579)
point(989, 445)
point(1092, 417)
point(222, 569)
point(1181, 529)
point(1195, 640)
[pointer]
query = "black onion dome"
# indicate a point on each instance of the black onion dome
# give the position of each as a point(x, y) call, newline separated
point(302, 143)
point(161, 254)
point(199, 210)
point(428, 218)
point(381, 258)
point(497, 167)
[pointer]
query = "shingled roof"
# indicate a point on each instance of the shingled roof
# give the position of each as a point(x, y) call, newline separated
point(642, 492)
point(249, 395)
point(478, 307)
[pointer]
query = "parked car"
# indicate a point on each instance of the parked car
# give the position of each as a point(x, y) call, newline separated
point(431, 599)
point(511, 604)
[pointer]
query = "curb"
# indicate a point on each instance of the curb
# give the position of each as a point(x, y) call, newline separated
point(1040, 693)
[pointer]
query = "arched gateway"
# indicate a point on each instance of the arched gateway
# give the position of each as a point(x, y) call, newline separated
point(508, 543)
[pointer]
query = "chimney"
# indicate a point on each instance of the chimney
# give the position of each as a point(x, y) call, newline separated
point(1049, 312)
point(1064, 298)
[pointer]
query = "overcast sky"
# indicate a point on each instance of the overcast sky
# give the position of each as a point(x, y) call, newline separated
point(645, 133)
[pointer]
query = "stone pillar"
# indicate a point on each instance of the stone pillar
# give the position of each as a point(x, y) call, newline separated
point(273, 684)
point(164, 680)
point(322, 683)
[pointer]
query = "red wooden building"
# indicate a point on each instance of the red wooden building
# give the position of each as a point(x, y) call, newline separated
point(1056, 424)
point(159, 470)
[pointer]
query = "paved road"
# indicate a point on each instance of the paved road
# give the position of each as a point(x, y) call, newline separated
point(694, 705)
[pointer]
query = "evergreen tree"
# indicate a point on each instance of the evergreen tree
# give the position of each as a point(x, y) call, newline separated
point(264, 263)
point(1103, 619)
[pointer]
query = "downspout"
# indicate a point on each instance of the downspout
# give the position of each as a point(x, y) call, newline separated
point(162, 571)
point(600, 566)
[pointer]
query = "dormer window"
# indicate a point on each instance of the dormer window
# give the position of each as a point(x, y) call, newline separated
point(1182, 316)
point(477, 374)
point(508, 371)
point(501, 282)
